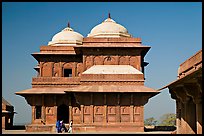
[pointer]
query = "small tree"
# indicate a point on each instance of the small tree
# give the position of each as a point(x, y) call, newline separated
point(168, 119)
point(150, 122)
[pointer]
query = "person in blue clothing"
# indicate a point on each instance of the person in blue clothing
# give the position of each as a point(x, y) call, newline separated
point(63, 127)
point(58, 128)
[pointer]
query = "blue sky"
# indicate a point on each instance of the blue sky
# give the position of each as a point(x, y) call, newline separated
point(172, 29)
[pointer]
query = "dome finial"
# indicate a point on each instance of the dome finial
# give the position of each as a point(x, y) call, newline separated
point(68, 25)
point(109, 15)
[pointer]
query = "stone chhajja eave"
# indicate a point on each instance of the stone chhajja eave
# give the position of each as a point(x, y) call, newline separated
point(90, 88)
point(42, 90)
point(112, 88)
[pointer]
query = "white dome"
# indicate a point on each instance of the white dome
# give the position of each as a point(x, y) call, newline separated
point(66, 37)
point(109, 28)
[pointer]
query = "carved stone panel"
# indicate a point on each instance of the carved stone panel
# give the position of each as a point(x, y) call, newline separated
point(87, 114)
point(137, 114)
point(125, 113)
point(134, 62)
point(76, 115)
point(112, 102)
point(109, 60)
point(50, 115)
point(49, 110)
point(76, 111)
point(56, 70)
point(88, 61)
point(47, 69)
point(111, 113)
point(98, 113)
point(98, 60)
point(124, 60)
point(79, 69)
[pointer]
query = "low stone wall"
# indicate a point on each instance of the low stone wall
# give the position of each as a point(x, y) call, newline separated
point(35, 128)
point(159, 128)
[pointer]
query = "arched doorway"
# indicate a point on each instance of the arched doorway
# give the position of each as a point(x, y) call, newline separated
point(63, 113)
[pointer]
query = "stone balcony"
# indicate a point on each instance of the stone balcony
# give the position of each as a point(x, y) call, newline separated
point(55, 81)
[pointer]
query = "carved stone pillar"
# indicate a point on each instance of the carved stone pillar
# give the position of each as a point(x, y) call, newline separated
point(178, 116)
point(43, 109)
point(60, 69)
point(55, 107)
point(74, 67)
point(105, 109)
point(199, 84)
point(52, 67)
point(92, 109)
point(84, 63)
point(181, 94)
point(178, 110)
point(192, 90)
point(41, 67)
point(198, 102)
point(131, 108)
point(70, 109)
point(191, 117)
point(82, 113)
point(33, 114)
point(118, 118)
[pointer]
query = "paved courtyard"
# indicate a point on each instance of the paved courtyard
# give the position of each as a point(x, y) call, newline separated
point(23, 132)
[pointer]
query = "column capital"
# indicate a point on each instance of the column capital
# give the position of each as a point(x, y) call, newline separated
point(193, 91)
point(173, 94)
point(181, 94)
point(199, 83)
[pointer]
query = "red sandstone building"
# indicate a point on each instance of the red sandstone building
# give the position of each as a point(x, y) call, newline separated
point(7, 114)
point(97, 81)
point(187, 91)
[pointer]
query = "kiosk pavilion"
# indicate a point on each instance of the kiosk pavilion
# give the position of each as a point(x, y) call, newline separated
point(97, 81)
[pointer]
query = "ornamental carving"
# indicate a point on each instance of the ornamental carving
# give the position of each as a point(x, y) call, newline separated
point(98, 60)
point(86, 110)
point(134, 62)
point(124, 60)
point(79, 69)
point(56, 69)
point(111, 110)
point(47, 69)
point(76, 110)
point(136, 110)
point(98, 109)
point(109, 60)
point(49, 110)
point(125, 110)
point(67, 65)
point(88, 62)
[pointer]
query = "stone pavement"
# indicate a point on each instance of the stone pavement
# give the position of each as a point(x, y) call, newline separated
point(24, 132)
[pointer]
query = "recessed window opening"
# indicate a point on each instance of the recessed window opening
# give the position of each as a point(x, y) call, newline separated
point(67, 72)
point(38, 112)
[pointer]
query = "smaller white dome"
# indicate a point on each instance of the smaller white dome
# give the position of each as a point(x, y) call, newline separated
point(66, 37)
point(109, 28)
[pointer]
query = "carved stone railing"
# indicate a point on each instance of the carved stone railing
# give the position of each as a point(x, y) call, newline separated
point(190, 64)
